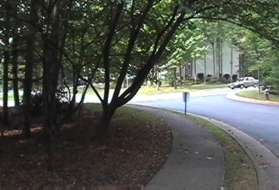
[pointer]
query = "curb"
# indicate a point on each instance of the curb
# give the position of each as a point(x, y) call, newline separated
point(235, 97)
point(265, 162)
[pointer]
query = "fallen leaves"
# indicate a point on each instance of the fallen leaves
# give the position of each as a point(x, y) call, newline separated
point(129, 158)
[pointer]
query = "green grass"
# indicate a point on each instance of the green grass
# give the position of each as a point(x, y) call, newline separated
point(254, 94)
point(152, 90)
point(149, 90)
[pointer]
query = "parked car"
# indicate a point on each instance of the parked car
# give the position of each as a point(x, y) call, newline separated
point(244, 82)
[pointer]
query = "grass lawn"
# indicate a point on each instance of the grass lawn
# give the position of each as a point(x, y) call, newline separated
point(239, 170)
point(148, 90)
point(152, 90)
point(254, 94)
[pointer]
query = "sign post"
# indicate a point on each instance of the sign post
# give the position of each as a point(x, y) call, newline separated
point(185, 99)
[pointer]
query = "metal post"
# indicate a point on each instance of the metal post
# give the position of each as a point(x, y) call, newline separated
point(185, 111)
point(259, 81)
point(185, 99)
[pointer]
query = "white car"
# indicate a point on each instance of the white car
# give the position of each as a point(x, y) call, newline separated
point(244, 82)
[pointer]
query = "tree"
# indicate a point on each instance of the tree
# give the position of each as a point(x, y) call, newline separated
point(105, 41)
point(14, 52)
point(6, 62)
point(29, 64)
point(136, 16)
point(169, 17)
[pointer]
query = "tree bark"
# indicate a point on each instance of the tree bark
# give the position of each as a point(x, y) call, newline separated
point(30, 59)
point(6, 64)
point(15, 70)
point(5, 87)
point(15, 53)
point(75, 91)
point(54, 41)
point(104, 123)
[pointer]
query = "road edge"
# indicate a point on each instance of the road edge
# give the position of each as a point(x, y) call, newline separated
point(235, 97)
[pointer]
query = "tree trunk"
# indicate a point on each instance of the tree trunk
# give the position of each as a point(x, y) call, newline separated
point(104, 123)
point(14, 55)
point(30, 58)
point(49, 135)
point(53, 50)
point(175, 79)
point(73, 100)
point(6, 65)
point(15, 70)
point(5, 86)
point(50, 81)
point(214, 57)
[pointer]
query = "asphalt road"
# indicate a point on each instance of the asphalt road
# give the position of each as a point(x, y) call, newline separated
point(258, 121)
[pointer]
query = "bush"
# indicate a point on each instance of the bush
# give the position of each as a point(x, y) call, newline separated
point(234, 78)
point(226, 77)
point(273, 79)
point(200, 76)
point(37, 102)
point(208, 77)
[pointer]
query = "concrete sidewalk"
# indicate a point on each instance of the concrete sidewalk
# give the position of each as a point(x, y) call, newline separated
point(196, 161)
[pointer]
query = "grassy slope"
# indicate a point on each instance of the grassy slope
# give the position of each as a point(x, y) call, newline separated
point(254, 94)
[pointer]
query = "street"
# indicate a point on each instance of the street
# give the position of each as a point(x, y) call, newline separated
point(258, 121)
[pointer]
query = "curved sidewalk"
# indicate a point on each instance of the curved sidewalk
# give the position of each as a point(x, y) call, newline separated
point(196, 161)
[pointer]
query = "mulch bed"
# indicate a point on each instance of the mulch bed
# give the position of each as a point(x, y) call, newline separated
point(128, 159)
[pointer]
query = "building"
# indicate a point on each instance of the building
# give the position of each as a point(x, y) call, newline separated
point(221, 61)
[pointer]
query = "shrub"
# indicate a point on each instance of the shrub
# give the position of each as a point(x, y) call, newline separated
point(226, 77)
point(37, 102)
point(208, 77)
point(234, 77)
point(200, 76)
